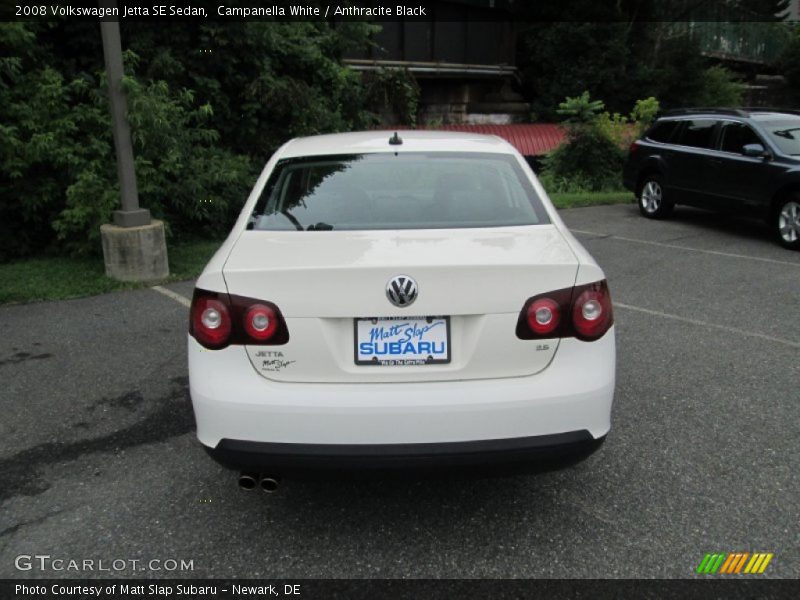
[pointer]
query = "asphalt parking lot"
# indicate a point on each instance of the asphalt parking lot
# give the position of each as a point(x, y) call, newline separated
point(98, 458)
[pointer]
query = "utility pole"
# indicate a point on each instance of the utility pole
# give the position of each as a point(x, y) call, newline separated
point(130, 215)
point(134, 246)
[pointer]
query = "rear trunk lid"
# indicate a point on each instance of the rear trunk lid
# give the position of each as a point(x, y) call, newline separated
point(323, 280)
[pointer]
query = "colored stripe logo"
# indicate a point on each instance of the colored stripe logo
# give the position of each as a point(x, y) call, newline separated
point(734, 563)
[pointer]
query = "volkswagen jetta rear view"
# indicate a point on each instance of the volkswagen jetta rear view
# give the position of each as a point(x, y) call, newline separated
point(399, 301)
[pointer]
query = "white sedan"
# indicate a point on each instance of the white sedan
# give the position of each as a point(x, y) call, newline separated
point(405, 300)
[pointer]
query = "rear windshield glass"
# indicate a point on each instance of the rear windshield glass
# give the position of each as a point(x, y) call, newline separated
point(397, 191)
point(785, 134)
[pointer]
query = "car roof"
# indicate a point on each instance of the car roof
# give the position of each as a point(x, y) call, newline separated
point(775, 116)
point(378, 141)
point(755, 113)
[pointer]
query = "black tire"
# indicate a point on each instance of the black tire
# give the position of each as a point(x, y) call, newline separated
point(786, 221)
point(653, 199)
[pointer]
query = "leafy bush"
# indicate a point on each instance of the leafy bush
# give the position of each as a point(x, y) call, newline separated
point(644, 113)
point(394, 93)
point(719, 88)
point(207, 106)
point(266, 81)
point(52, 151)
point(564, 184)
point(617, 128)
point(589, 161)
point(623, 130)
point(558, 58)
point(581, 110)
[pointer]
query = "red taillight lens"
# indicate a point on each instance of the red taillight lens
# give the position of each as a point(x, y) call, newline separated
point(633, 147)
point(583, 312)
point(260, 322)
point(543, 316)
point(210, 321)
point(217, 319)
point(592, 314)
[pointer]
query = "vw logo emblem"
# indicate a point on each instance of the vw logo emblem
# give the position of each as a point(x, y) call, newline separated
point(401, 290)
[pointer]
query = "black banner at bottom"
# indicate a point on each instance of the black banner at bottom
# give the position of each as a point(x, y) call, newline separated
point(417, 589)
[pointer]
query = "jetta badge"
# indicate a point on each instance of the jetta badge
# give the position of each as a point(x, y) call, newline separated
point(401, 290)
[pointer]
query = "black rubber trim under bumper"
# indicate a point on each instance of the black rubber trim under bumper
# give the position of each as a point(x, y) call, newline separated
point(529, 453)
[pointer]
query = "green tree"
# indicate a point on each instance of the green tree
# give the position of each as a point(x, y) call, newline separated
point(559, 59)
point(626, 50)
point(208, 105)
point(580, 109)
point(789, 66)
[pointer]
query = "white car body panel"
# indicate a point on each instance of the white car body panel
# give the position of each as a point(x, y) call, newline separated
point(478, 277)
point(574, 393)
point(344, 273)
point(321, 350)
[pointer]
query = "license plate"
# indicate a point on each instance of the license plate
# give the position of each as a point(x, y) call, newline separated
point(396, 341)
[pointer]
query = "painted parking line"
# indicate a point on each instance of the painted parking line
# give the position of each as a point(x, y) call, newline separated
point(174, 295)
point(686, 248)
point(663, 315)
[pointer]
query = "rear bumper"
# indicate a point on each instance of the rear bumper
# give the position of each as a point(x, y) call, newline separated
point(235, 405)
point(515, 454)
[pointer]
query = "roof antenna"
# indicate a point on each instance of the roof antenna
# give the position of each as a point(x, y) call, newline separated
point(395, 140)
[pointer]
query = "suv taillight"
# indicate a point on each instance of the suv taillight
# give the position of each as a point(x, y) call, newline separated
point(584, 312)
point(217, 320)
point(633, 148)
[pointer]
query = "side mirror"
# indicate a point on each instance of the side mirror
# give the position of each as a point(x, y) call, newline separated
point(755, 150)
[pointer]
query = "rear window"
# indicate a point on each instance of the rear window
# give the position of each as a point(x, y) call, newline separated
point(698, 133)
point(397, 191)
point(785, 134)
point(662, 132)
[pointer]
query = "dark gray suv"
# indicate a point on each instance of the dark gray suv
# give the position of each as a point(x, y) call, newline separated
point(744, 161)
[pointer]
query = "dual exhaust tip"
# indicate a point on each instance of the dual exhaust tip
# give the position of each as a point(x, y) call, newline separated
point(249, 481)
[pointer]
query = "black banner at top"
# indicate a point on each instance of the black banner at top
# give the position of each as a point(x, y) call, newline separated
point(389, 10)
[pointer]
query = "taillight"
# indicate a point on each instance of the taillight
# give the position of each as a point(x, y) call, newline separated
point(217, 320)
point(210, 322)
point(633, 148)
point(583, 312)
point(592, 314)
point(260, 322)
point(543, 315)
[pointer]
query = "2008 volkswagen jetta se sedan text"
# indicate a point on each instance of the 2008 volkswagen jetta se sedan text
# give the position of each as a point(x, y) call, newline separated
point(392, 301)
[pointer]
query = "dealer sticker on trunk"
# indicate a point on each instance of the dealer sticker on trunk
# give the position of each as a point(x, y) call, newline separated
point(395, 341)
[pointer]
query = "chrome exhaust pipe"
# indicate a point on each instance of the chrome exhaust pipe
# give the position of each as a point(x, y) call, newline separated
point(269, 484)
point(247, 480)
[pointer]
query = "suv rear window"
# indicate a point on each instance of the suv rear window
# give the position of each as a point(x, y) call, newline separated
point(698, 133)
point(662, 132)
point(385, 190)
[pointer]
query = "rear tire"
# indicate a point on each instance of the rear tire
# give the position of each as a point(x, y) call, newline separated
point(653, 201)
point(786, 222)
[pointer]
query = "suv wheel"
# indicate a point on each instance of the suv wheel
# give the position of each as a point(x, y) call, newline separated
point(787, 222)
point(652, 198)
